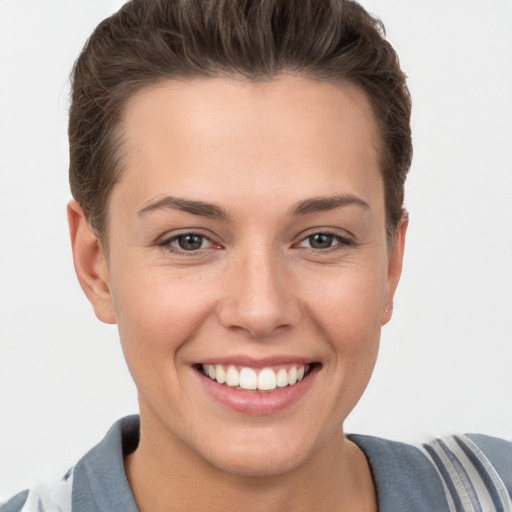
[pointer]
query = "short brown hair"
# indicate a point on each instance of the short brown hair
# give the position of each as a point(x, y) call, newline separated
point(148, 41)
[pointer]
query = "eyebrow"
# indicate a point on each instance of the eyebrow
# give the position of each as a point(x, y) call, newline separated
point(201, 208)
point(322, 204)
point(185, 205)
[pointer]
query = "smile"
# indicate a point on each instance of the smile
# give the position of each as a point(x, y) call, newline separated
point(264, 379)
point(261, 388)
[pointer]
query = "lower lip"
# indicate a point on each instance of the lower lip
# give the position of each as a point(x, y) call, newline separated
point(256, 402)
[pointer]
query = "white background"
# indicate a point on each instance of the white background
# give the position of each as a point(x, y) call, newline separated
point(446, 357)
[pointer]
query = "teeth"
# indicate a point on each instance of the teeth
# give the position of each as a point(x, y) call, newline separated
point(292, 376)
point(282, 378)
point(232, 377)
point(220, 374)
point(267, 380)
point(247, 378)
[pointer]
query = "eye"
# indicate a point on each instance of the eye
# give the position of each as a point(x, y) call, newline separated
point(188, 242)
point(324, 240)
point(321, 240)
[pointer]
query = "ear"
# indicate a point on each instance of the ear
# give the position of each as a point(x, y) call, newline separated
point(395, 260)
point(90, 264)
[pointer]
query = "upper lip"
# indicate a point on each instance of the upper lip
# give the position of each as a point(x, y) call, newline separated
point(256, 362)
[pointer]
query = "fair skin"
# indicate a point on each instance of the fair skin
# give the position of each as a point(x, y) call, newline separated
point(248, 230)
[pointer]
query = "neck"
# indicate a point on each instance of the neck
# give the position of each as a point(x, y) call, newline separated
point(175, 478)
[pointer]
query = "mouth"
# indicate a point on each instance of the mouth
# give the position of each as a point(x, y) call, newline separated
point(263, 380)
point(257, 388)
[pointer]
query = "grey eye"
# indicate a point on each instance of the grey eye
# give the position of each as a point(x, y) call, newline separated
point(321, 241)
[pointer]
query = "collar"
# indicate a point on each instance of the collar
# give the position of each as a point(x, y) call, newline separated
point(404, 477)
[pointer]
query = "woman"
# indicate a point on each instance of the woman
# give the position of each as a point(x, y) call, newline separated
point(237, 173)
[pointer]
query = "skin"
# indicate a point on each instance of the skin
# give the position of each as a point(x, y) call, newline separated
point(256, 287)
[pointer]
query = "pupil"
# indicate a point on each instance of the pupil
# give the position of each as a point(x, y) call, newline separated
point(190, 242)
point(320, 241)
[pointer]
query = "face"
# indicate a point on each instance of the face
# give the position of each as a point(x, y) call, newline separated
point(247, 249)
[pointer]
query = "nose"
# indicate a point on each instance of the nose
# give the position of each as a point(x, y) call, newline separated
point(260, 297)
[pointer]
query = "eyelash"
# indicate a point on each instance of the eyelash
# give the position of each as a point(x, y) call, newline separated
point(342, 241)
point(167, 243)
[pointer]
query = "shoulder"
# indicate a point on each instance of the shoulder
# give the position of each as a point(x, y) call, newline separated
point(474, 468)
point(16, 503)
point(431, 476)
point(498, 452)
point(404, 477)
point(96, 483)
point(45, 498)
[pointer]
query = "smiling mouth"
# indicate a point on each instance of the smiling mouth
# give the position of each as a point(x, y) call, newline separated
point(251, 379)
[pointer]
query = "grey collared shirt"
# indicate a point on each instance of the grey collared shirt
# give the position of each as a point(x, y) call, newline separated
point(408, 478)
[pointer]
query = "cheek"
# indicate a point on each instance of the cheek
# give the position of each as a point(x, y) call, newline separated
point(348, 309)
point(156, 314)
point(348, 302)
point(156, 318)
point(345, 307)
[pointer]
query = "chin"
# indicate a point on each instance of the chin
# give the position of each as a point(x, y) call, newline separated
point(267, 452)
point(262, 463)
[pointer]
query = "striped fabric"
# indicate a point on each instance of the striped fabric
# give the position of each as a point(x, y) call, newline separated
point(470, 481)
point(50, 498)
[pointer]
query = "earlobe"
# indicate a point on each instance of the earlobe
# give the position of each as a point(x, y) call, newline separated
point(90, 264)
point(395, 262)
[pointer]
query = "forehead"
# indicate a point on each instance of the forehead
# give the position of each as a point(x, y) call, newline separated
point(282, 132)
